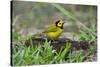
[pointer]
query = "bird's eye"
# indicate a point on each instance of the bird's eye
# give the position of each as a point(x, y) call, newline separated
point(59, 24)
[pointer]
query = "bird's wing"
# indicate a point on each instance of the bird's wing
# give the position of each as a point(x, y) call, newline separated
point(51, 29)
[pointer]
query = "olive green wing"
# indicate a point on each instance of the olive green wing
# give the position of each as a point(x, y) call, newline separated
point(51, 29)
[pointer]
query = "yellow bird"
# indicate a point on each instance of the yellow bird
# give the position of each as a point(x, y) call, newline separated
point(54, 31)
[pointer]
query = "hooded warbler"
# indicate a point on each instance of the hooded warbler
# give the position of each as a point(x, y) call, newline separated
point(54, 31)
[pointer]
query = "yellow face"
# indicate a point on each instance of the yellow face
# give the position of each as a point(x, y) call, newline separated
point(60, 23)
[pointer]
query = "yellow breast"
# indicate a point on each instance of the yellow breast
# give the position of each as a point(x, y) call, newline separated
point(56, 34)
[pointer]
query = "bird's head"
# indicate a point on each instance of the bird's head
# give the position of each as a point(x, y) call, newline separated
point(59, 23)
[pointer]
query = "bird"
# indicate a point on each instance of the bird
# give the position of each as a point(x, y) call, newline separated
point(54, 31)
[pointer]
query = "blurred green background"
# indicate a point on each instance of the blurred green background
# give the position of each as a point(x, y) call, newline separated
point(32, 17)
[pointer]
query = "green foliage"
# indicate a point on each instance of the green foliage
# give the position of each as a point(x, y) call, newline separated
point(86, 35)
point(45, 54)
point(16, 36)
point(79, 56)
point(42, 54)
point(63, 53)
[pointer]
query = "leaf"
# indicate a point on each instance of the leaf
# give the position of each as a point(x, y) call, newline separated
point(65, 51)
